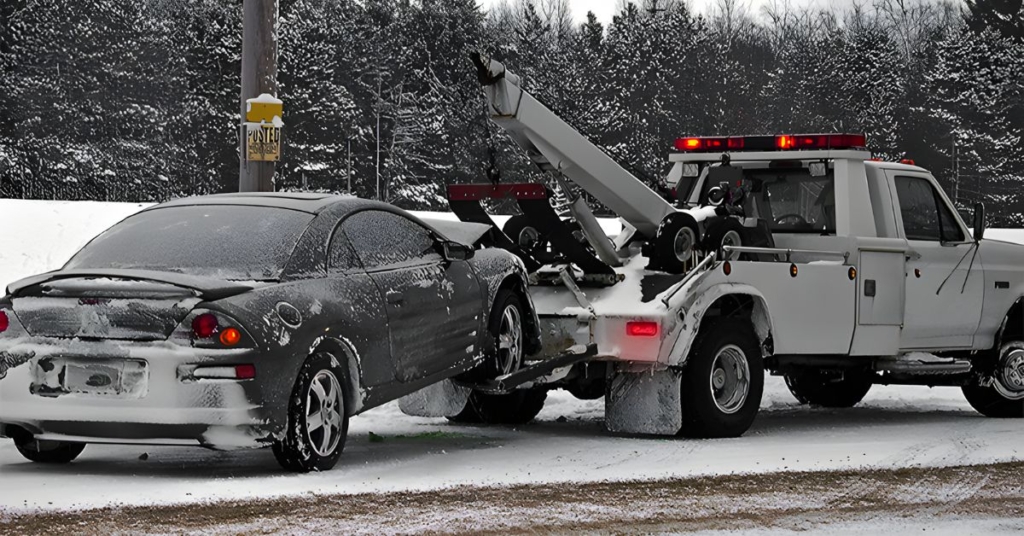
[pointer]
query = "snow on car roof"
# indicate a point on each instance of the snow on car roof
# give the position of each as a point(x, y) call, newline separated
point(303, 202)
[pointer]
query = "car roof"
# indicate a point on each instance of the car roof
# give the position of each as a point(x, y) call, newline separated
point(303, 202)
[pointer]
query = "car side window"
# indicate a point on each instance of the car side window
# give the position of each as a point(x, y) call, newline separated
point(383, 239)
point(925, 216)
point(340, 257)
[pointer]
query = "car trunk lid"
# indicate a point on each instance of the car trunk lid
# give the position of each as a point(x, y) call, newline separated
point(111, 306)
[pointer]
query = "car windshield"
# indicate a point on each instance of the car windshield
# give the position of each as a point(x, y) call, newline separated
point(242, 243)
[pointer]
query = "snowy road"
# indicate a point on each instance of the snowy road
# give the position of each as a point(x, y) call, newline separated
point(894, 428)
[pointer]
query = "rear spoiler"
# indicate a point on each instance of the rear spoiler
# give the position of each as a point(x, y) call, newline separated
point(208, 288)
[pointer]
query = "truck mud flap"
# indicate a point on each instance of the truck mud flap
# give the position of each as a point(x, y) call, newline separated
point(648, 403)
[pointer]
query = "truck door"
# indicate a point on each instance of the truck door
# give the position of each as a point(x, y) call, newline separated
point(945, 282)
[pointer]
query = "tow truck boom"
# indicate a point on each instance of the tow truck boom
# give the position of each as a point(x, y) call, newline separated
point(555, 146)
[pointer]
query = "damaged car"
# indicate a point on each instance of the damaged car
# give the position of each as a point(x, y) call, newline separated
point(248, 320)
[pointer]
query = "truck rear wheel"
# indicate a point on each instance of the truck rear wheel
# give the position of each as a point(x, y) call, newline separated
point(723, 381)
point(49, 452)
point(817, 389)
point(517, 407)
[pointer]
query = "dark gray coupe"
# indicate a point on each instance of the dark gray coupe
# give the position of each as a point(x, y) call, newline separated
point(244, 320)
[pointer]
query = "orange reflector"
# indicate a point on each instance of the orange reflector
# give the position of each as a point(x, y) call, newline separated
point(853, 273)
point(727, 268)
point(917, 272)
point(793, 270)
point(230, 337)
point(642, 329)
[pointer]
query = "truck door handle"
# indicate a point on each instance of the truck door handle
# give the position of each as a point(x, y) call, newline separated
point(394, 296)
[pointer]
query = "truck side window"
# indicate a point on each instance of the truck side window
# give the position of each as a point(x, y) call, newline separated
point(925, 216)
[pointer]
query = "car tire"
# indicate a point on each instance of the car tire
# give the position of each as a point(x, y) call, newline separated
point(507, 327)
point(723, 381)
point(813, 388)
point(317, 418)
point(48, 452)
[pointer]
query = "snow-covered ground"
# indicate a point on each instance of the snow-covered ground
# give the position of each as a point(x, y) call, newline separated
point(388, 451)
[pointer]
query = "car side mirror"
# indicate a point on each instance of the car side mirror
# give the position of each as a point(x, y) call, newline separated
point(979, 221)
point(453, 251)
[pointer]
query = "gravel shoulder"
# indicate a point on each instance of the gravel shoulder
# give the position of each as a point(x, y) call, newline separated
point(948, 497)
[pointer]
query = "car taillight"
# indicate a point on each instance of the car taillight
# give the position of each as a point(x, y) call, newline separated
point(230, 336)
point(5, 321)
point(642, 329)
point(235, 372)
point(205, 325)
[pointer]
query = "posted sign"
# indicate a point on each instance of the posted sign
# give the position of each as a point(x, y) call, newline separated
point(262, 142)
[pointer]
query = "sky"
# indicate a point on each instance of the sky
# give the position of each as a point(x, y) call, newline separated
point(605, 9)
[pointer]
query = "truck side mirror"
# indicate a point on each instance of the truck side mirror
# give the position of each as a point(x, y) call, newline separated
point(979, 221)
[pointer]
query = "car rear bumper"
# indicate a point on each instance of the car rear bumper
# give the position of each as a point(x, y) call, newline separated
point(164, 404)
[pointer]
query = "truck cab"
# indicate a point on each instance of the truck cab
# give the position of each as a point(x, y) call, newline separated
point(934, 302)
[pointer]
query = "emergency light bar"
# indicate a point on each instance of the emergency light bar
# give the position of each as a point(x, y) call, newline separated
point(786, 142)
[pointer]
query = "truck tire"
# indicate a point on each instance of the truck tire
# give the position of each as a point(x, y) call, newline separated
point(524, 234)
point(678, 236)
point(517, 407)
point(1004, 397)
point(723, 381)
point(48, 452)
point(988, 402)
point(521, 406)
point(724, 232)
point(317, 418)
point(812, 387)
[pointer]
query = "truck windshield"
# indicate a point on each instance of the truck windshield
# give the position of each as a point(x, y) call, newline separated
point(793, 201)
point(241, 243)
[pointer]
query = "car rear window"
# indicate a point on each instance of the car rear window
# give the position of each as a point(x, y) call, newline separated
point(242, 243)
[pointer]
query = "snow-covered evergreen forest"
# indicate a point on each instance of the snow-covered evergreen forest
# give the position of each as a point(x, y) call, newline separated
point(138, 99)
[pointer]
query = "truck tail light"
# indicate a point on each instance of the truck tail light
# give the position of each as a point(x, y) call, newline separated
point(642, 329)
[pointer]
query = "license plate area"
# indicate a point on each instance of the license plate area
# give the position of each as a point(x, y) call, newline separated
point(105, 378)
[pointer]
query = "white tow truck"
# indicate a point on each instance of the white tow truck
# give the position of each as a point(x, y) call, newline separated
point(796, 255)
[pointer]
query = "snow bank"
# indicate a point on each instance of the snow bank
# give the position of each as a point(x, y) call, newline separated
point(39, 236)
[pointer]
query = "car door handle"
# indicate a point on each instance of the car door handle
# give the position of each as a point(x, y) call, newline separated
point(394, 296)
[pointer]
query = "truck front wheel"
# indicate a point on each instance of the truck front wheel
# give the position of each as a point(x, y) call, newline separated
point(818, 389)
point(1004, 398)
point(723, 381)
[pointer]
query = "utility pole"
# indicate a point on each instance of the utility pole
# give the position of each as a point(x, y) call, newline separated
point(259, 75)
point(348, 176)
point(956, 175)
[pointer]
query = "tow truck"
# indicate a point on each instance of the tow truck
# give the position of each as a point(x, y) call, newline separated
point(796, 255)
